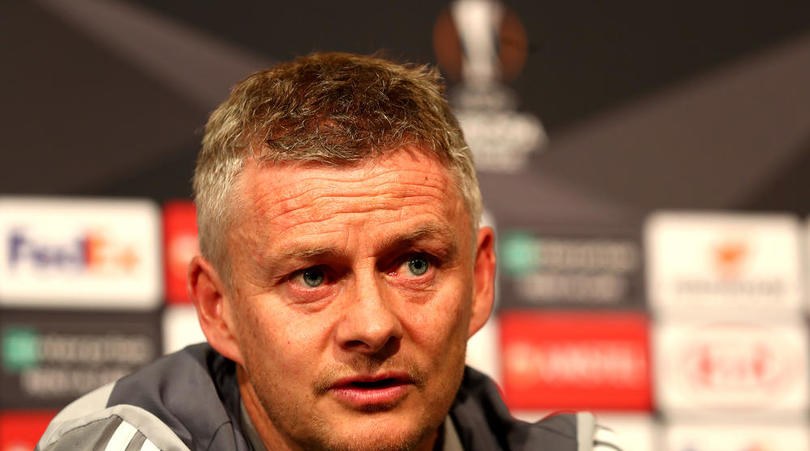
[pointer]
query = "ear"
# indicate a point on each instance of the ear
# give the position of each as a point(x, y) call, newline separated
point(212, 302)
point(483, 279)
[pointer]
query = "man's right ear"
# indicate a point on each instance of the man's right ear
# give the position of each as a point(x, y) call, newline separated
point(211, 299)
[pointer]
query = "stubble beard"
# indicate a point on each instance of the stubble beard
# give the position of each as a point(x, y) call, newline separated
point(319, 433)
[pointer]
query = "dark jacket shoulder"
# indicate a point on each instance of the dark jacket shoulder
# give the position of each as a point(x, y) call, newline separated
point(483, 422)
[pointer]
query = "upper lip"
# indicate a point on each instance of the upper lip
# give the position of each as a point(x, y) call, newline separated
point(395, 377)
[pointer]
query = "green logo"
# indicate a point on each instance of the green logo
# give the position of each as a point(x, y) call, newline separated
point(519, 253)
point(20, 348)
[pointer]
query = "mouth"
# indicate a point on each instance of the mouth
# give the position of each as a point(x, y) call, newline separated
point(372, 392)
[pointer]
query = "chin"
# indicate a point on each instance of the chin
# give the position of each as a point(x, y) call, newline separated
point(380, 435)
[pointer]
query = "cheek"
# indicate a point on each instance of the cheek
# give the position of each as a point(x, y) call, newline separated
point(271, 338)
point(441, 323)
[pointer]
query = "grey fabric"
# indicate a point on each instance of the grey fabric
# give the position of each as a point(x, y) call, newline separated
point(484, 423)
point(92, 436)
point(194, 392)
point(90, 403)
point(155, 430)
point(137, 442)
point(451, 440)
point(104, 438)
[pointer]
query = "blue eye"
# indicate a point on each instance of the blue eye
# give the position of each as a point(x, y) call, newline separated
point(418, 265)
point(313, 277)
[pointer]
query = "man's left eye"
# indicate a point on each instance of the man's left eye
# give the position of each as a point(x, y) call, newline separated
point(310, 277)
point(313, 277)
point(418, 265)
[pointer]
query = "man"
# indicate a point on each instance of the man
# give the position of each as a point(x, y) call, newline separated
point(342, 272)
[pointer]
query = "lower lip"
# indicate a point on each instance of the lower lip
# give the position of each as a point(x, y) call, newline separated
point(370, 397)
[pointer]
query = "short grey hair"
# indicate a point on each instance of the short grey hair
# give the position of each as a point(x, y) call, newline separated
point(331, 108)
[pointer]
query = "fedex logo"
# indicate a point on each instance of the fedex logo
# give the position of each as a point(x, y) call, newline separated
point(79, 253)
point(91, 252)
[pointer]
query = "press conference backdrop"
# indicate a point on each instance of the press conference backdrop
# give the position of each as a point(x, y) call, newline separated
point(644, 167)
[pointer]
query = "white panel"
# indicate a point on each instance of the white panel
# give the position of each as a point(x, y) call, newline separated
point(482, 350)
point(721, 263)
point(733, 437)
point(728, 369)
point(79, 253)
point(180, 328)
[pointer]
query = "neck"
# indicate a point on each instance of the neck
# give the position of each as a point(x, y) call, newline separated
point(267, 432)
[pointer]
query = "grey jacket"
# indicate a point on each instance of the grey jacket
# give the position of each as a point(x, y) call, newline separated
point(190, 400)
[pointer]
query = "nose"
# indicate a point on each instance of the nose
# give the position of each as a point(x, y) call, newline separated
point(368, 324)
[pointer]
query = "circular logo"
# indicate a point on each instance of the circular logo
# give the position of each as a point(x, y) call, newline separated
point(480, 32)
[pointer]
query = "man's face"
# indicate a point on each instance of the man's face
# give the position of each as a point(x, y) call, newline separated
point(353, 292)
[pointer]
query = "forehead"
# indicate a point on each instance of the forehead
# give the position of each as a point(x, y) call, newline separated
point(403, 185)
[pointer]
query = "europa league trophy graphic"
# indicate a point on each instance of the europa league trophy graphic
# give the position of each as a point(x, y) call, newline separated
point(481, 44)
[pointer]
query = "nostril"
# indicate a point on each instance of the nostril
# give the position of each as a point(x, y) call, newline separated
point(355, 344)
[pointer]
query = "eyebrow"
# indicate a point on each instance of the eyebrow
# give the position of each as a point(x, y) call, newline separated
point(406, 239)
point(422, 233)
point(310, 253)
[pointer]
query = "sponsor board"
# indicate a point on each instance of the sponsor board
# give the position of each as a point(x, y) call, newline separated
point(736, 437)
point(20, 430)
point(739, 369)
point(180, 328)
point(575, 360)
point(180, 246)
point(50, 358)
point(723, 262)
point(563, 271)
point(79, 253)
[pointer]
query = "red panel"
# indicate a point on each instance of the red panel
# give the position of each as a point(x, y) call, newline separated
point(180, 245)
point(21, 430)
point(575, 360)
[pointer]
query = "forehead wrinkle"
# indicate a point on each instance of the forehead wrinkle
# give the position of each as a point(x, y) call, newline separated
point(340, 188)
point(328, 206)
point(326, 209)
point(297, 193)
point(313, 197)
point(267, 202)
point(335, 176)
point(310, 221)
